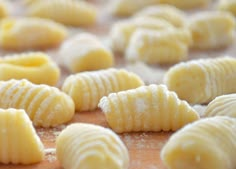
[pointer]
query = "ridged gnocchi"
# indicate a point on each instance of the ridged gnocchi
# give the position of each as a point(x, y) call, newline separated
point(147, 108)
point(159, 47)
point(205, 144)
point(85, 52)
point(227, 5)
point(87, 88)
point(200, 81)
point(122, 31)
point(30, 33)
point(68, 12)
point(129, 7)
point(46, 106)
point(19, 142)
point(211, 30)
point(188, 4)
point(224, 105)
point(167, 12)
point(32, 66)
point(89, 146)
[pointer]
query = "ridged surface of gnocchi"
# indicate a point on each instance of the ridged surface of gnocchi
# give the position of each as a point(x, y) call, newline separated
point(89, 146)
point(224, 105)
point(68, 12)
point(205, 144)
point(163, 11)
point(46, 106)
point(211, 30)
point(129, 7)
point(19, 142)
point(159, 47)
point(188, 4)
point(200, 81)
point(147, 108)
point(122, 31)
point(20, 34)
point(85, 52)
point(87, 88)
point(32, 66)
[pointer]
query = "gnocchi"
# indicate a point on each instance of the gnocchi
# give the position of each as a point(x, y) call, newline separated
point(223, 105)
point(122, 31)
point(68, 12)
point(200, 81)
point(211, 30)
point(90, 146)
point(227, 5)
point(205, 144)
point(87, 88)
point(20, 34)
point(188, 4)
point(19, 142)
point(4, 9)
point(159, 47)
point(46, 106)
point(85, 52)
point(167, 12)
point(32, 66)
point(147, 108)
point(129, 7)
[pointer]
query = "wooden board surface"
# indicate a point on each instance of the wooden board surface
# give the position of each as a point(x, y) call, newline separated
point(144, 148)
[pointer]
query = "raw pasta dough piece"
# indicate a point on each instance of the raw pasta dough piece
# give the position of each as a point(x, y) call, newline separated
point(85, 52)
point(90, 146)
point(122, 31)
point(211, 30)
point(129, 7)
point(159, 47)
point(46, 106)
point(205, 144)
point(228, 5)
point(200, 81)
point(4, 9)
point(32, 66)
point(19, 142)
point(188, 4)
point(224, 105)
point(167, 12)
point(147, 108)
point(68, 12)
point(87, 88)
point(30, 33)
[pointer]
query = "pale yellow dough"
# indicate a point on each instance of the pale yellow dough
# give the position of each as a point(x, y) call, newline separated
point(212, 29)
point(19, 142)
point(85, 52)
point(167, 12)
point(46, 106)
point(4, 9)
point(32, 66)
point(188, 4)
point(30, 33)
point(159, 47)
point(122, 31)
point(200, 81)
point(68, 12)
point(87, 88)
point(147, 108)
point(129, 7)
point(205, 144)
point(224, 105)
point(227, 5)
point(88, 146)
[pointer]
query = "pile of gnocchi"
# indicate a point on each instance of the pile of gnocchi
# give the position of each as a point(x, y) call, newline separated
point(54, 66)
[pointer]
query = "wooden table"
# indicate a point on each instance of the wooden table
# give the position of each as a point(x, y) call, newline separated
point(144, 148)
